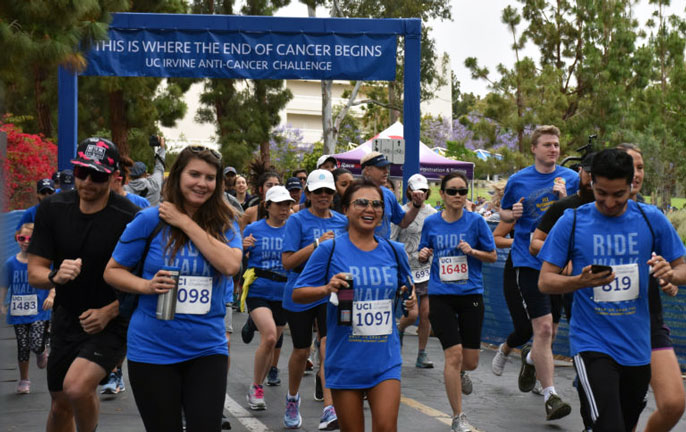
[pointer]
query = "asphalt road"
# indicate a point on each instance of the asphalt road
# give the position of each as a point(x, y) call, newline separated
point(495, 405)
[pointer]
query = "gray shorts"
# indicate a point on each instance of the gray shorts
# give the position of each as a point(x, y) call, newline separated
point(421, 288)
point(228, 318)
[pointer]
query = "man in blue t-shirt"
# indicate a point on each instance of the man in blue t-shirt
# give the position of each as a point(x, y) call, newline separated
point(527, 196)
point(44, 188)
point(614, 245)
point(375, 167)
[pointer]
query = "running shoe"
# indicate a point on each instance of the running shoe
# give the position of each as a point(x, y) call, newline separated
point(423, 361)
point(527, 373)
point(42, 359)
point(309, 366)
point(555, 408)
point(24, 387)
point(111, 386)
point(538, 388)
point(248, 331)
point(120, 380)
point(460, 424)
point(318, 389)
point(498, 363)
point(273, 377)
point(467, 386)
point(255, 398)
point(292, 419)
point(329, 420)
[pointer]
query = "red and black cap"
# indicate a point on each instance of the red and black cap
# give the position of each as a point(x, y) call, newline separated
point(97, 153)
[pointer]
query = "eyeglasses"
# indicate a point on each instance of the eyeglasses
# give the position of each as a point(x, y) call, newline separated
point(82, 173)
point(303, 178)
point(455, 191)
point(363, 203)
point(22, 238)
point(200, 149)
point(323, 190)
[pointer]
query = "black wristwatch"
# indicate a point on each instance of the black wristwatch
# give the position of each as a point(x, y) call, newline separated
point(52, 274)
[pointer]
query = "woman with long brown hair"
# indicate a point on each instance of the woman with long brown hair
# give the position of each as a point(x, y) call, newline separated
point(180, 364)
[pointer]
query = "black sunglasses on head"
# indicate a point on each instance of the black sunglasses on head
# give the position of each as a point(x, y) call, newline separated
point(455, 191)
point(200, 149)
point(82, 173)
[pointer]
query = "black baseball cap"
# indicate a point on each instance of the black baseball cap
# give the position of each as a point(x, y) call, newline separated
point(99, 154)
point(294, 183)
point(587, 161)
point(45, 184)
point(66, 180)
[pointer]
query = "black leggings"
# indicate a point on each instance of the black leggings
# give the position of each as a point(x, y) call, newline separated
point(520, 320)
point(196, 386)
point(30, 337)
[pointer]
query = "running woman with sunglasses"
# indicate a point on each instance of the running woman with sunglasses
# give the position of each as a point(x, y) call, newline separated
point(305, 231)
point(459, 241)
point(528, 194)
point(375, 168)
point(74, 235)
point(364, 351)
point(180, 365)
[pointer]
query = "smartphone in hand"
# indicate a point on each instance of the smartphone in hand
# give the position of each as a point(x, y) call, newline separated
point(596, 268)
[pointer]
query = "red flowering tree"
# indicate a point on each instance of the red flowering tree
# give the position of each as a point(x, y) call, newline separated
point(29, 159)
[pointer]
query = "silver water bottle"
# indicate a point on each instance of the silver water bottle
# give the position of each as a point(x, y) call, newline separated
point(166, 303)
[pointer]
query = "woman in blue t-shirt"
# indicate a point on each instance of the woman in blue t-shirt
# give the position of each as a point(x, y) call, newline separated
point(263, 242)
point(29, 309)
point(459, 241)
point(305, 231)
point(180, 365)
point(363, 357)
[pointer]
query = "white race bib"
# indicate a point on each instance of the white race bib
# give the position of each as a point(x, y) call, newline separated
point(373, 317)
point(624, 287)
point(422, 274)
point(194, 296)
point(24, 305)
point(453, 268)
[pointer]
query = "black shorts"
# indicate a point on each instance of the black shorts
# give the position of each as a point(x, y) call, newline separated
point(68, 341)
point(278, 312)
point(614, 395)
point(536, 303)
point(659, 333)
point(301, 324)
point(457, 319)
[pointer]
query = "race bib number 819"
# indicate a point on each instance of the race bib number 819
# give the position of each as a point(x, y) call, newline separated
point(624, 287)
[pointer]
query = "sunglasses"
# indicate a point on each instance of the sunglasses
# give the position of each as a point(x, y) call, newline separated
point(323, 190)
point(363, 203)
point(200, 149)
point(82, 173)
point(22, 238)
point(454, 191)
point(46, 192)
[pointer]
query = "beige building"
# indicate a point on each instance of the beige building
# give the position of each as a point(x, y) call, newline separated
point(303, 112)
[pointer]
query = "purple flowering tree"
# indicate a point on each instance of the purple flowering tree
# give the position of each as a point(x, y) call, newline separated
point(287, 148)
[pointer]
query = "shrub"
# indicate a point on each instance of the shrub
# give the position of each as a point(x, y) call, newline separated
point(29, 159)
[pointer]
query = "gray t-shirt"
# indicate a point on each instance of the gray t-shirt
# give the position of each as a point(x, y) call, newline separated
point(411, 235)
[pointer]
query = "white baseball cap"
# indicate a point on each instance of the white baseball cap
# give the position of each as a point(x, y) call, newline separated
point(417, 182)
point(320, 179)
point(324, 159)
point(278, 194)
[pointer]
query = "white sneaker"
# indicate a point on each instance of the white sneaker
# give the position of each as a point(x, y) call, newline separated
point(460, 424)
point(255, 398)
point(498, 363)
point(538, 388)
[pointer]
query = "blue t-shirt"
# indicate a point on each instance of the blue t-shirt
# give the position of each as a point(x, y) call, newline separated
point(443, 237)
point(187, 336)
point(393, 212)
point(620, 329)
point(15, 278)
point(302, 228)
point(138, 200)
point(266, 255)
point(352, 361)
point(537, 191)
point(28, 217)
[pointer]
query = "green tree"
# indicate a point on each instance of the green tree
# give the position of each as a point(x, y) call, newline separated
point(37, 36)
